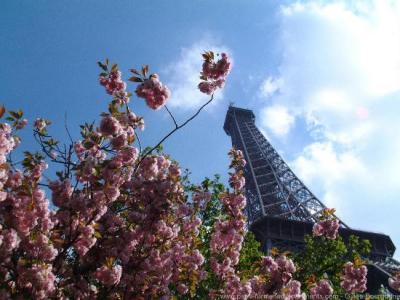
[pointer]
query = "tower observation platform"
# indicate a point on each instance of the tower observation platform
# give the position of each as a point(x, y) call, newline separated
point(281, 210)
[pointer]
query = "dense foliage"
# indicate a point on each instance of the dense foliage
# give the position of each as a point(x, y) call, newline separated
point(124, 223)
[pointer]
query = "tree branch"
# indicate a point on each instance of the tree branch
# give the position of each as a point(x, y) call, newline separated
point(173, 119)
point(177, 127)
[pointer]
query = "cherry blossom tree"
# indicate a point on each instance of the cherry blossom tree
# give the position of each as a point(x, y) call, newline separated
point(120, 222)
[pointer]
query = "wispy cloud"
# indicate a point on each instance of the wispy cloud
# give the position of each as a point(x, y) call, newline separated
point(183, 75)
point(270, 86)
point(278, 119)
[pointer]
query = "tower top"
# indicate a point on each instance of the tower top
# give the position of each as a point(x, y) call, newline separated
point(240, 113)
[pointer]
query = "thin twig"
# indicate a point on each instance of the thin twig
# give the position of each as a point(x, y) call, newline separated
point(66, 128)
point(173, 119)
point(139, 143)
point(173, 131)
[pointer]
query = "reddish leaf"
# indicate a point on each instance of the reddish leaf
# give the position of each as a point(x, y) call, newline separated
point(134, 71)
point(145, 70)
point(2, 111)
point(135, 79)
point(114, 67)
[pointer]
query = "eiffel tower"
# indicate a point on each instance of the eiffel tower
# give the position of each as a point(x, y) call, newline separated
point(281, 210)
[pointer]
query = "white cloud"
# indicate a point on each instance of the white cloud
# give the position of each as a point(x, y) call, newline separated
point(322, 165)
point(270, 86)
point(278, 119)
point(183, 76)
point(341, 72)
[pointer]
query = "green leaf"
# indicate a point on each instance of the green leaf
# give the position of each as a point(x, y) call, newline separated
point(113, 108)
point(14, 114)
point(51, 142)
point(159, 148)
point(103, 66)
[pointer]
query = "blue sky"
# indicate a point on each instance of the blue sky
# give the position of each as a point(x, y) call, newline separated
point(323, 78)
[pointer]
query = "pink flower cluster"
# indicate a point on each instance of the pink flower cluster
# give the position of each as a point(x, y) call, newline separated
point(289, 291)
point(153, 91)
point(227, 237)
point(40, 248)
point(121, 226)
point(237, 289)
point(115, 86)
point(354, 279)
point(276, 280)
point(394, 282)
point(108, 276)
point(327, 227)
point(280, 269)
point(7, 142)
point(292, 291)
point(21, 123)
point(322, 290)
point(40, 124)
point(214, 73)
point(9, 241)
point(38, 279)
point(25, 225)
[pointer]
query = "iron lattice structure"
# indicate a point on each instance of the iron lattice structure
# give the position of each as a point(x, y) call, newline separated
point(271, 186)
point(281, 209)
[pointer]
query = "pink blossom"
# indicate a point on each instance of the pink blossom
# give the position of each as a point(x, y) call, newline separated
point(237, 181)
point(40, 124)
point(14, 179)
point(3, 196)
point(9, 240)
point(39, 247)
point(280, 269)
point(112, 193)
point(85, 241)
point(292, 291)
point(79, 150)
point(108, 276)
point(354, 279)
point(61, 192)
point(154, 92)
point(182, 289)
point(214, 73)
point(258, 287)
point(236, 289)
point(322, 290)
point(109, 126)
point(21, 124)
point(394, 282)
point(38, 279)
point(127, 155)
point(327, 227)
point(115, 86)
point(7, 142)
point(119, 141)
point(217, 70)
point(207, 87)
